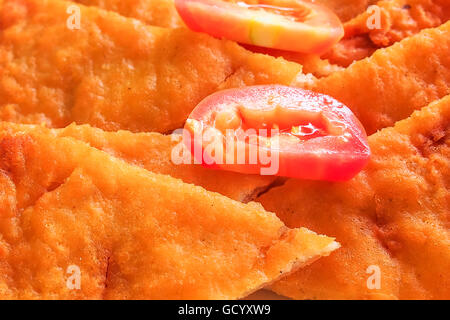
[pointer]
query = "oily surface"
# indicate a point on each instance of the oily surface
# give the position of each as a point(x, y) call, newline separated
point(164, 154)
point(393, 216)
point(394, 81)
point(114, 73)
point(132, 233)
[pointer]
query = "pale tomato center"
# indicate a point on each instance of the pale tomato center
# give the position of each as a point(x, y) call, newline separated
point(298, 14)
point(275, 121)
point(277, 130)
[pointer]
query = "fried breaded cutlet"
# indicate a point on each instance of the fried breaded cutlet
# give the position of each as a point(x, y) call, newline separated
point(398, 19)
point(392, 219)
point(130, 232)
point(114, 72)
point(163, 13)
point(394, 81)
point(165, 154)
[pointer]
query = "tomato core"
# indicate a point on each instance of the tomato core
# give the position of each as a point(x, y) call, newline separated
point(309, 135)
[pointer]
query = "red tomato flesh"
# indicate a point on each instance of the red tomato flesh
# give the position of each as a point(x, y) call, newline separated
point(304, 134)
point(293, 25)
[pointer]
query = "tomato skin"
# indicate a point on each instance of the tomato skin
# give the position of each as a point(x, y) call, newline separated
point(331, 156)
point(222, 19)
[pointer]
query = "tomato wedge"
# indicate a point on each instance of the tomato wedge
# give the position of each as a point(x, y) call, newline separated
point(293, 25)
point(277, 130)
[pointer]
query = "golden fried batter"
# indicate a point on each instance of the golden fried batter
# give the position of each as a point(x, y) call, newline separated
point(114, 72)
point(346, 9)
point(398, 19)
point(161, 13)
point(311, 63)
point(132, 233)
point(394, 216)
point(163, 154)
point(394, 81)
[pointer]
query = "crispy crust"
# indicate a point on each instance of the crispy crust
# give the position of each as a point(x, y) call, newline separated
point(115, 72)
point(393, 215)
point(133, 234)
point(160, 13)
point(153, 151)
point(163, 13)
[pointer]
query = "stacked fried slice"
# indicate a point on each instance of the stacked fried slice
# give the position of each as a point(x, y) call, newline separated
point(113, 72)
point(163, 73)
point(392, 219)
point(132, 233)
point(165, 154)
point(81, 197)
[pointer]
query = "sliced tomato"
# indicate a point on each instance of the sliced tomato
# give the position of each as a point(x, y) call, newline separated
point(277, 130)
point(293, 25)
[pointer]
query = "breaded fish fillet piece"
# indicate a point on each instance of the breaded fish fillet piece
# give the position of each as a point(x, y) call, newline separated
point(398, 19)
point(394, 81)
point(114, 72)
point(129, 232)
point(165, 154)
point(163, 13)
point(392, 219)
